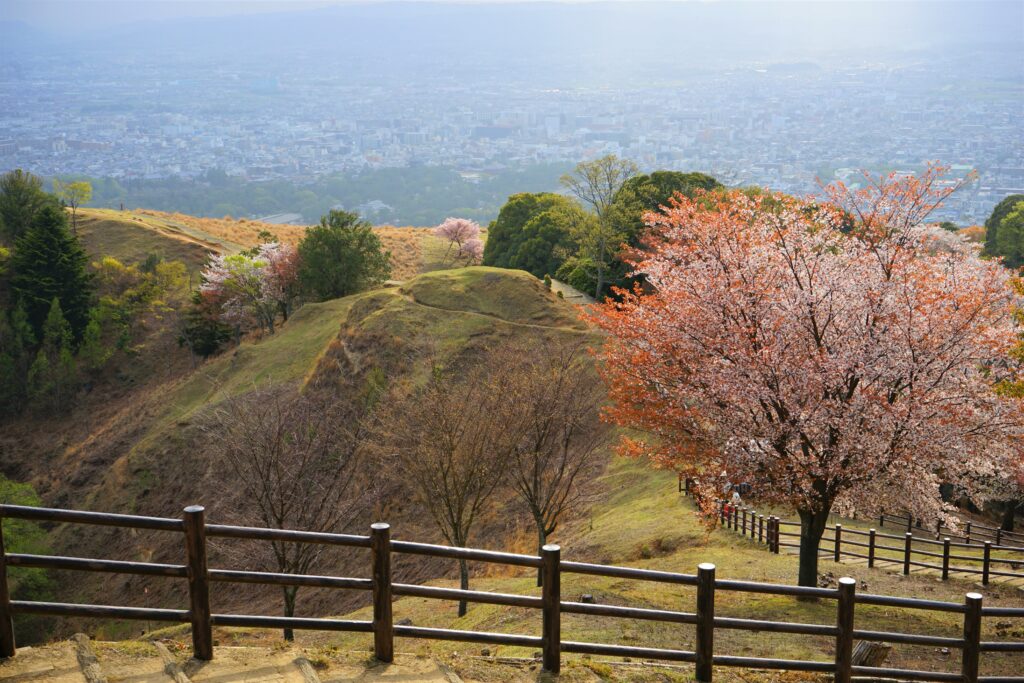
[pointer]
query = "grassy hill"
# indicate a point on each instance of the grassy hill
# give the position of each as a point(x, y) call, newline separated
point(149, 456)
point(143, 451)
point(131, 236)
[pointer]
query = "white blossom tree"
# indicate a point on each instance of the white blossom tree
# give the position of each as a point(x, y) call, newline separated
point(822, 349)
point(462, 235)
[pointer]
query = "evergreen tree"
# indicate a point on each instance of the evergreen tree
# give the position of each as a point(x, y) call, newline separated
point(530, 233)
point(999, 212)
point(49, 263)
point(341, 256)
point(21, 200)
point(93, 353)
point(51, 379)
point(1010, 237)
point(16, 340)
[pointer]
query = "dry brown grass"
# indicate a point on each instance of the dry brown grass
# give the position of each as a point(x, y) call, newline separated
point(241, 231)
point(404, 243)
point(406, 247)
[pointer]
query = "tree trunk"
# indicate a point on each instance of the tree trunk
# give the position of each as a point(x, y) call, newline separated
point(1009, 515)
point(289, 608)
point(812, 526)
point(542, 539)
point(600, 283)
point(463, 584)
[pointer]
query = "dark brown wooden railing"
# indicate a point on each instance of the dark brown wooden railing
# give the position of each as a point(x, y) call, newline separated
point(871, 545)
point(200, 576)
point(975, 531)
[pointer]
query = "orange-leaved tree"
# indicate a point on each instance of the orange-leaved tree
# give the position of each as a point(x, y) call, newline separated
point(835, 352)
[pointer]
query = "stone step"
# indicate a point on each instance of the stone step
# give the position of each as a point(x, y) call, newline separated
point(53, 664)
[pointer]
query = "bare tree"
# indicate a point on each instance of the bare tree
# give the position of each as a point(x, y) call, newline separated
point(596, 183)
point(450, 439)
point(296, 458)
point(556, 400)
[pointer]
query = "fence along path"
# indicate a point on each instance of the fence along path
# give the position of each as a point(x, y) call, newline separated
point(200, 577)
point(975, 531)
point(945, 557)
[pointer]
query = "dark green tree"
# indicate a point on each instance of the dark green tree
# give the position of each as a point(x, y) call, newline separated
point(21, 199)
point(638, 195)
point(341, 256)
point(201, 329)
point(992, 224)
point(16, 342)
point(52, 379)
point(50, 263)
point(530, 233)
point(1010, 237)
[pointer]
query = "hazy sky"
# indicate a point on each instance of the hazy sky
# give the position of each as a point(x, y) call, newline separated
point(74, 15)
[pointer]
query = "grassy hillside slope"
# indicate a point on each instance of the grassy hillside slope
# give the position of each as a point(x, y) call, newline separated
point(130, 236)
point(153, 458)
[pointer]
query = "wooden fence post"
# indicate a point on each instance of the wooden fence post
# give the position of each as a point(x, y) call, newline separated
point(721, 511)
point(945, 558)
point(968, 534)
point(972, 638)
point(839, 539)
point(7, 644)
point(908, 540)
point(986, 563)
point(551, 598)
point(844, 632)
point(881, 521)
point(383, 632)
point(760, 528)
point(871, 548)
point(777, 535)
point(198, 582)
point(705, 621)
point(999, 536)
point(910, 522)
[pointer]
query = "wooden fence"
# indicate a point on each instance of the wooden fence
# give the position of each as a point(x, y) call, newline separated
point(975, 531)
point(200, 578)
point(912, 551)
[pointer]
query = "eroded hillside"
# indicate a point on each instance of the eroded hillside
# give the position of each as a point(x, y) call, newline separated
point(151, 457)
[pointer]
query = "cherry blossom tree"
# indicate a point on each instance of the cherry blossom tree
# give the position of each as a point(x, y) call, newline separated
point(821, 349)
point(463, 235)
point(252, 288)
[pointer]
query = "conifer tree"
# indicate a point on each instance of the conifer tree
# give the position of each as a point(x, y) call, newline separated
point(50, 263)
point(93, 353)
point(16, 340)
point(21, 200)
point(51, 379)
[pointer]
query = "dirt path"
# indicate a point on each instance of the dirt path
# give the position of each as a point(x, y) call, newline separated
point(143, 662)
point(461, 311)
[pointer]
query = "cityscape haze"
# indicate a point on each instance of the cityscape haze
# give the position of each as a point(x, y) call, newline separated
point(158, 101)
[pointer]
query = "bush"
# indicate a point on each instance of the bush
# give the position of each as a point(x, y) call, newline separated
point(341, 256)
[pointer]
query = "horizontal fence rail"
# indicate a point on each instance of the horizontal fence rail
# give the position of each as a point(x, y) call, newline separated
point(982, 560)
point(200, 578)
point(975, 531)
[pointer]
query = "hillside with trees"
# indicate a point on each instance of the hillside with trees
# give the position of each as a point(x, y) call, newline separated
point(830, 351)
